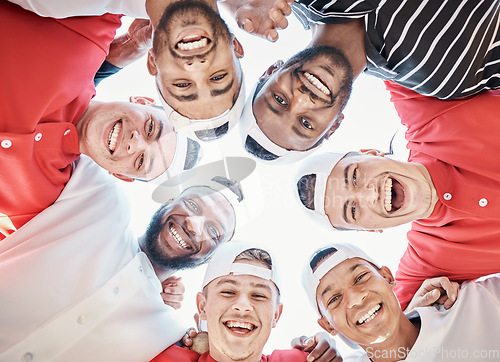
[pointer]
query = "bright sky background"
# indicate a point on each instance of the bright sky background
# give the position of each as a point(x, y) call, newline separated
point(277, 220)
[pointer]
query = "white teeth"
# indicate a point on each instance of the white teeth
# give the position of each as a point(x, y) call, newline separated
point(231, 324)
point(388, 195)
point(193, 45)
point(178, 239)
point(317, 83)
point(113, 136)
point(369, 315)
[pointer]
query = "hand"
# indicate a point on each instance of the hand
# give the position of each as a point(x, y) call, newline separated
point(132, 45)
point(173, 291)
point(195, 340)
point(436, 290)
point(261, 17)
point(320, 347)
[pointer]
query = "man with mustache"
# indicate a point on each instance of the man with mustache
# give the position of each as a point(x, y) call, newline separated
point(38, 143)
point(81, 287)
point(448, 189)
point(443, 49)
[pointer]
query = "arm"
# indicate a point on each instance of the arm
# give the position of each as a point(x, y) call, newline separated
point(67, 8)
point(260, 17)
point(126, 48)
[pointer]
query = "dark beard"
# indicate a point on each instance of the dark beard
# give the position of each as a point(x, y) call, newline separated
point(156, 255)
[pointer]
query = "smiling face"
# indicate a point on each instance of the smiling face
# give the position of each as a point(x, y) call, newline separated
point(301, 103)
point(356, 300)
point(195, 61)
point(366, 191)
point(241, 311)
point(127, 139)
point(185, 232)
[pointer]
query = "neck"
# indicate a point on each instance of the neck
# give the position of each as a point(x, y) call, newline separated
point(398, 345)
point(348, 37)
point(432, 190)
point(156, 8)
point(221, 357)
point(162, 274)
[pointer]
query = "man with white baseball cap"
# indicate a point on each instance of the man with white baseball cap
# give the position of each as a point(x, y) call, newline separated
point(449, 188)
point(354, 298)
point(240, 303)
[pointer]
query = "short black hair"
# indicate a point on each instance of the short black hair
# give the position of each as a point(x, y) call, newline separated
point(253, 147)
point(232, 185)
point(212, 133)
point(320, 256)
point(193, 155)
point(305, 189)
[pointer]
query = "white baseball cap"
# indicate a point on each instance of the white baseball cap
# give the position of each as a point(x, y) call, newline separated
point(193, 127)
point(222, 264)
point(321, 166)
point(311, 279)
point(251, 133)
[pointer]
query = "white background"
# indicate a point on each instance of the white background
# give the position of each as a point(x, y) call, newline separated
point(275, 219)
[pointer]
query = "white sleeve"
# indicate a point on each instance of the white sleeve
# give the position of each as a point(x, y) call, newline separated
point(67, 8)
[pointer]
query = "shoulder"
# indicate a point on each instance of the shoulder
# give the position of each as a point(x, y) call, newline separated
point(285, 355)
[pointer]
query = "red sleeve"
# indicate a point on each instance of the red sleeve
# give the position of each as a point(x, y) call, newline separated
point(286, 355)
point(176, 354)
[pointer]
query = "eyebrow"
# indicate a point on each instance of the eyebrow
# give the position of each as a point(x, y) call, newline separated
point(152, 157)
point(219, 92)
point(346, 179)
point(188, 98)
point(351, 270)
point(298, 132)
point(275, 111)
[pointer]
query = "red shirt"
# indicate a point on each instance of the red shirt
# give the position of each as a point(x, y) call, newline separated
point(179, 354)
point(47, 69)
point(456, 141)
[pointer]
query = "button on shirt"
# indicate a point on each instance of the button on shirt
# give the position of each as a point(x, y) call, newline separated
point(41, 101)
point(456, 141)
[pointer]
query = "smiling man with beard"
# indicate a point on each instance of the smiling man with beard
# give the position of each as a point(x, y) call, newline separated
point(449, 189)
point(443, 49)
point(241, 304)
point(354, 299)
point(100, 291)
point(52, 64)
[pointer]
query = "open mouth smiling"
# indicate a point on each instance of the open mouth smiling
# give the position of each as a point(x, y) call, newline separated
point(394, 195)
point(192, 43)
point(241, 328)
point(372, 313)
point(181, 241)
point(113, 136)
point(317, 82)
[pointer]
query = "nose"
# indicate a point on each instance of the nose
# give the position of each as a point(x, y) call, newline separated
point(301, 102)
point(136, 143)
point(242, 304)
point(194, 224)
point(196, 65)
point(371, 194)
point(355, 297)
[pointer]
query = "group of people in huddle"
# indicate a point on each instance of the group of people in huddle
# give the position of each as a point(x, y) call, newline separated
point(79, 285)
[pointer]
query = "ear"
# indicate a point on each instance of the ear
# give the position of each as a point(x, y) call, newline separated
point(323, 322)
point(238, 48)
point(151, 63)
point(277, 315)
point(334, 126)
point(372, 151)
point(145, 101)
point(273, 68)
point(201, 303)
point(387, 275)
point(122, 177)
